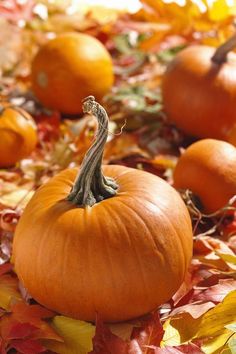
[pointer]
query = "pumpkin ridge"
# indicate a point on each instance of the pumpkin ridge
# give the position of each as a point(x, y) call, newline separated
point(134, 248)
point(111, 268)
point(182, 244)
point(143, 222)
point(178, 236)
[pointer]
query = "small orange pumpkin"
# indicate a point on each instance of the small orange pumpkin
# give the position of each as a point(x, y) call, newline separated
point(118, 245)
point(18, 135)
point(199, 90)
point(70, 67)
point(207, 168)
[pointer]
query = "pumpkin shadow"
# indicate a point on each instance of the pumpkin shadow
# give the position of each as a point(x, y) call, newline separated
point(62, 207)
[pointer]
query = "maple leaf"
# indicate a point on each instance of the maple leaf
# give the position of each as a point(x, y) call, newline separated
point(149, 335)
point(105, 342)
point(28, 346)
point(24, 327)
point(216, 293)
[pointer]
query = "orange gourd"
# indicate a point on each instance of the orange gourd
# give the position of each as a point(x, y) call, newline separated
point(68, 68)
point(207, 168)
point(18, 135)
point(118, 245)
point(199, 90)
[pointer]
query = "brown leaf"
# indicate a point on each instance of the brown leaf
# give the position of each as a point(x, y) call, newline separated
point(147, 336)
point(105, 342)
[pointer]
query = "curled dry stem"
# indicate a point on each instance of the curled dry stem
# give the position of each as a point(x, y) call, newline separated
point(200, 217)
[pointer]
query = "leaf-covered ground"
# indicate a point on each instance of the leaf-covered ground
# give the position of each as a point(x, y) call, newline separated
point(201, 316)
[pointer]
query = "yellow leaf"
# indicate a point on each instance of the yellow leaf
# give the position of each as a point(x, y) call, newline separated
point(8, 291)
point(16, 196)
point(217, 343)
point(77, 336)
point(219, 10)
point(232, 344)
point(180, 329)
point(230, 258)
point(183, 327)
point(214, 321)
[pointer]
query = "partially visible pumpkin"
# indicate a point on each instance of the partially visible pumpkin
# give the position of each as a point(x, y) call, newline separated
point(18, 135)
point(117, 252)
point(208, 169)
point(70, 67)
point(199, 90)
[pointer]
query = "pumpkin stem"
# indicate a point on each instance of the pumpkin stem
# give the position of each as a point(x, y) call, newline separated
point(91, 186)
point(222, 51)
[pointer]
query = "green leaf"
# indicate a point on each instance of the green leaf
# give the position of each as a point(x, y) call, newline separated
point(168, 55)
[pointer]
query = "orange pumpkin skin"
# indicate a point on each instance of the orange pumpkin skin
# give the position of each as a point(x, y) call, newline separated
point(207, 168)
point(69, 68)
point(199, 96)
point(120, 258)
point(18, 135)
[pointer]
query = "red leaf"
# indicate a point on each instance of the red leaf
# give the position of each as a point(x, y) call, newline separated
point(196, 309)
point(216, 293)
point(26, 321)
point(48, 126)
point(150, 334)
point(105, 342)
point(21, 330)
point(28, 346)
point(9, 219)
point(5, 268)
point(186, 348)
point(2, 347)
point(32, 314)
point(13, 11)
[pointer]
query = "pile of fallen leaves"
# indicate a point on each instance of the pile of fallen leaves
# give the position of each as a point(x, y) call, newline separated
point(201, 316)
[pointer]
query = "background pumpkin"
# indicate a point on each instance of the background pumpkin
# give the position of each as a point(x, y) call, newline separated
point(91, 252)
point(207, 168)
point(18, 135)
point(199, 90)
point(70, 67)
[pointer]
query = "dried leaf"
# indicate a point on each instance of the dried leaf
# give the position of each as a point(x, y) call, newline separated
point(9, 291)
point(28, 346)
point(180, 329)
point(76, 335)
point(214, 321)
point(148, 335)
point(216, 344)
point(229, 258)
point(105, 341)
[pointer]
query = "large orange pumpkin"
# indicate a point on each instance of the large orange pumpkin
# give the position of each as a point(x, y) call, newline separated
point(18, 135)
point(70, 67)
point(118, 245)
point(199, 90)
point(207, 168)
